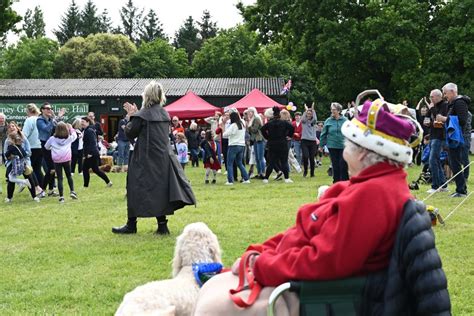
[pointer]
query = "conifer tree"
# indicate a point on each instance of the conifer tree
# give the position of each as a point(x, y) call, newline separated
point(70, 24)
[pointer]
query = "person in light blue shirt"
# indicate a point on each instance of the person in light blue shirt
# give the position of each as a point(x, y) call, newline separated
point(30, 130)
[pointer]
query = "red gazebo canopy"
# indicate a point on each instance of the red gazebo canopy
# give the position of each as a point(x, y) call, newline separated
point(256, 99)
point(191, 106)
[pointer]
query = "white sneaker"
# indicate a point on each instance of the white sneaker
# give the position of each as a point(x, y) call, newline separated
point(72, 173)
point(36, 199)
point(288, 180)
point(265, 181)
point(229, 183)
point(28, 183)
point(246, 182)
point(219, 171)
point(431, 191)
point(443, 190)
point(109, 184)
point(299, 170)
point(7, 200)
point(80, 173)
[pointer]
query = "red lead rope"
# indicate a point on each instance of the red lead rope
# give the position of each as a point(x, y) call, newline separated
point(246, 275)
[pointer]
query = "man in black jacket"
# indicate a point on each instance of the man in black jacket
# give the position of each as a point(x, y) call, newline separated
point(457, 106)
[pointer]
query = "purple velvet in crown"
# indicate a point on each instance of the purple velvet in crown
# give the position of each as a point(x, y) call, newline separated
point(388, 123)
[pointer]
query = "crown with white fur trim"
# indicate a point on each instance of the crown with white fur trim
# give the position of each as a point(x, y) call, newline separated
point(380, 131)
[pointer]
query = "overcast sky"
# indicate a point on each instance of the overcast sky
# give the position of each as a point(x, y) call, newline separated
point(171, 13)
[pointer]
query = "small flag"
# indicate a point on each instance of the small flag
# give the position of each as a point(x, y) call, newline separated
point(286, 88)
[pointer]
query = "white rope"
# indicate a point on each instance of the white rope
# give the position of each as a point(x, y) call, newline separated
point(449, 180)
point(450, 213)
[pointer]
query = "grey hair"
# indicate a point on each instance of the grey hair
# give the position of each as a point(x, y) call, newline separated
point(153, 94)
point(193, 126)
point(337, 106)
point(451, 87)
point(255, 115)
point(3, 115)
point(436, 92)
point(371, 158)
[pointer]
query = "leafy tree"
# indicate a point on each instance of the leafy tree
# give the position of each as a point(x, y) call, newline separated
point(96, 56)
point(70, 24)
point(151, 28)
point(90, 21)
point(449, 51)
point(208, 29)
point(30, 58)
point(8, 18)
point(33, 23)
point(233, 53)
point(187, 38)
point(350, 45)
point(158, 59)
point(105, 23)
point(131, 19)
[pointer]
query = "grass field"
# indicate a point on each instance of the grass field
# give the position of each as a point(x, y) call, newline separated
point(64, 260)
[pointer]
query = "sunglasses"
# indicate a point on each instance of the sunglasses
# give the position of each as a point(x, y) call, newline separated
point(47, 108)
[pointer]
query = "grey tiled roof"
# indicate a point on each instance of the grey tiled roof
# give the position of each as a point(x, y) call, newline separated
point(23, 88)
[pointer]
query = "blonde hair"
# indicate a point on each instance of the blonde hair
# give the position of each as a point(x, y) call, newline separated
point(285, 115)
point(61, 131)
point(77, 123)
point(153, 94)
point(33, 109)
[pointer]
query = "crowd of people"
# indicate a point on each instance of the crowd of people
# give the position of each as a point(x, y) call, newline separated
point(46, 150)
point(267, 142)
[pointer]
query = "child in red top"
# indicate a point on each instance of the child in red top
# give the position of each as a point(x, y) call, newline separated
point(211, 163)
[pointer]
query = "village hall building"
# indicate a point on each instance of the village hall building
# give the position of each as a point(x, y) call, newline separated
point(105, 97)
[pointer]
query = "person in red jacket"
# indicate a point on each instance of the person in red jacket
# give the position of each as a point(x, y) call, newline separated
point(349, 232)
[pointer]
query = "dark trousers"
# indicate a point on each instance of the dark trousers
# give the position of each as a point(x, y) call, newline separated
point(36, 161)
point(92, 163)
point(455, 161)
point(77, 159)
point(339, 165)
point(58, 167)
point(278, 161)
point(48, 179)
point(11, 185)
point(308, 148)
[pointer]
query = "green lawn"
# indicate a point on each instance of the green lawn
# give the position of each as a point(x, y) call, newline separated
point(63, 259)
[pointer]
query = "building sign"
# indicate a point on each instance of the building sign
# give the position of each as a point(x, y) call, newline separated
point(17, 111)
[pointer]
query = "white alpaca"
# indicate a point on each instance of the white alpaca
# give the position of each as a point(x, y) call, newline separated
point(176, 296)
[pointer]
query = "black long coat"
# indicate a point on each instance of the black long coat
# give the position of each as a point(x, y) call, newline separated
point(156, 184)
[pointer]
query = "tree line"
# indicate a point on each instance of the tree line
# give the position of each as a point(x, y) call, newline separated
point(331, 49)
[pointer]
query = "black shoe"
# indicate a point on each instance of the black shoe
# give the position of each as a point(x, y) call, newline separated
point(125, 229)
point(305, 173)
point(163, 228)
point(278, 176)
point(206, 182)
point(214, 181)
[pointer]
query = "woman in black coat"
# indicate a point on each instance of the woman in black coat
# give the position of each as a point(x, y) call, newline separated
point(156, 184)
point(91, 153)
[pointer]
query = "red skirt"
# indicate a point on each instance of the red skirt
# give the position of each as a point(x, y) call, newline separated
point(214, 166)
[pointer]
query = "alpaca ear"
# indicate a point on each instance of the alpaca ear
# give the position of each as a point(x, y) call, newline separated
point(177, 262)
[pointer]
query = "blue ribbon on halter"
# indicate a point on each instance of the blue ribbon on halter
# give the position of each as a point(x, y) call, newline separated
point(204, 271)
